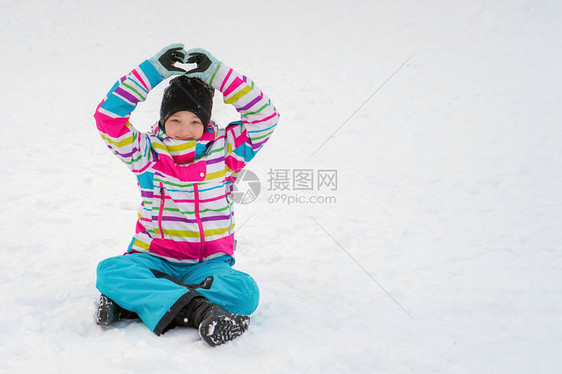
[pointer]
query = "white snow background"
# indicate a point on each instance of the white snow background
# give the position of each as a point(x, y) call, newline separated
point(441, 254)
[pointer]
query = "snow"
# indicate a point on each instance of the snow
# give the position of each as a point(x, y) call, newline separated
point(441, 254)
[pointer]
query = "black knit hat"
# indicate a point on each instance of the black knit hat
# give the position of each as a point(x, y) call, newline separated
point(191, 94)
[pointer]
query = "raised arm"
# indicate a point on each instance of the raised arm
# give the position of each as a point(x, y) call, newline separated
point(258, 116)
point(113, 113)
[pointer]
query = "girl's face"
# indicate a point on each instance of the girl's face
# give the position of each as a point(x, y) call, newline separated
point(184, 125)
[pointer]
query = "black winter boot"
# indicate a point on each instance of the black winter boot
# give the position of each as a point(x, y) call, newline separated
point(216, 326)
point(109, 312)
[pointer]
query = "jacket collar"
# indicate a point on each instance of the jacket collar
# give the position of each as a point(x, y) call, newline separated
point(186, 151)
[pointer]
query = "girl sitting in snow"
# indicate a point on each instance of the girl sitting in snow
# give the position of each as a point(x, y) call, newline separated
point(178, 270)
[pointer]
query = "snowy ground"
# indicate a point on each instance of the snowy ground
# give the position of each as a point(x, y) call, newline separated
point(441, 254)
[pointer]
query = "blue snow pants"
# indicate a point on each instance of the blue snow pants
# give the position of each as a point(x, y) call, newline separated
point(157, 289)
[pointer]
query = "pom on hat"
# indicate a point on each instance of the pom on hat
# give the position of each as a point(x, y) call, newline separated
point(185, 93)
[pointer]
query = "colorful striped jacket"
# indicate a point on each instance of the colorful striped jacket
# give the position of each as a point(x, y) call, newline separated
point(186, 212)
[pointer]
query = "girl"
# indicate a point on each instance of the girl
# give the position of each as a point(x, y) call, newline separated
point(178, 270)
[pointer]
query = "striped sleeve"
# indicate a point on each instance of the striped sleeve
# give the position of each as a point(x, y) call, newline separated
point(113, 113)
point(258, 116)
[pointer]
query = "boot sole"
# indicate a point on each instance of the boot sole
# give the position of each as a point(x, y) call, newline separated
point(107, 312)
point(222, 329)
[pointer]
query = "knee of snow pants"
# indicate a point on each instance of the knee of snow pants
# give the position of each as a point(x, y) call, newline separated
point(234, 290)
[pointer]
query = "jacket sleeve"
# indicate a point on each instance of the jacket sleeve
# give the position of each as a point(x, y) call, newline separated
point(258, 117)
point(113, 113)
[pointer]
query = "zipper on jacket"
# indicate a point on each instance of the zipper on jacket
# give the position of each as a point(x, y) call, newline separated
point(199, 223)
point(161, 211)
